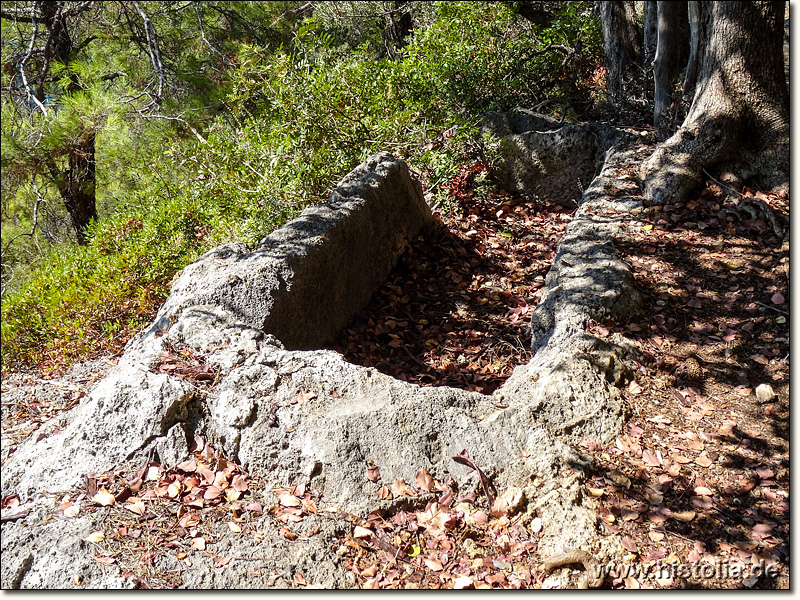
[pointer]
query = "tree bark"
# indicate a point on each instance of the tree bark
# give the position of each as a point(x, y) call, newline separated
point(666, 66)
point(77, 187)
point(622, 43)
point(398, 25)
point(650, 27)
point(77, 183)
point(693, 63)
point(739, 117)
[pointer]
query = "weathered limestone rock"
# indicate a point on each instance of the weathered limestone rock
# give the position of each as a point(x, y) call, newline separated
point(543, 159)
point(237, 310)
point(574, 378)
point(307, 278)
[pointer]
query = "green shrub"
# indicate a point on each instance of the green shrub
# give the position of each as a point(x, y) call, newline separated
point(296, 120)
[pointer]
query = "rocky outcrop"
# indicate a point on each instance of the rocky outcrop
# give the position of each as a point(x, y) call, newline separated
point(239, 312)
point(543, 158)
point(306, 279)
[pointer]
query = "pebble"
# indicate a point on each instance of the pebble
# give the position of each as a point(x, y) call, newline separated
point(765, 393)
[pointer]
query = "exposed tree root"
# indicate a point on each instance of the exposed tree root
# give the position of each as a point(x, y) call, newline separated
point(675, 169)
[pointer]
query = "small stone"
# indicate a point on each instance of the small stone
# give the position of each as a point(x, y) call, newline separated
point(765, 393)
point(514, 499)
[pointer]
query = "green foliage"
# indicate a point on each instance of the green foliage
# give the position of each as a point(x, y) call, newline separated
point(88, 300)
point(457, 75)
point(297, 113)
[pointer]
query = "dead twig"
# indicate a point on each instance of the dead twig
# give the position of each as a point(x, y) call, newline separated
point(593, 578)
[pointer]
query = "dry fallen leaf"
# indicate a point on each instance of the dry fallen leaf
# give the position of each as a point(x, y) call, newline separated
point(95, 537)
point(373, 473)
point(188, 466)
point(765, 472)
point(173, 489)
point(629, 544)
point(234, 527)
point(240, 483)
point(136, 507)
point(631, 583)
point(681, 459)
point(704, 461)
point(499, 507)
point(424, 480)
point(650, 459)
point(433, 565)
point(660, 419)
point(370, 571)
point(104, 497)
point(655, 536)
point(189, 520)
point(199, 543)
point(306, 396)
point(685, 516)
point(72, 511)
point(761, 530)
point(655, 517)
point(618, 478)
point(288, 500)
point(221, 561)
point(480, 517)
point(361, 532)
point(608, 518)
point(634, 388)
point(629, 515)
point(221, 480)
point(207, 474)
point(400, 487)
point(212, 492)
point(371, 584)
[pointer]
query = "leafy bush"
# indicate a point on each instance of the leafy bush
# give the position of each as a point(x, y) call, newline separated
point(296, 120)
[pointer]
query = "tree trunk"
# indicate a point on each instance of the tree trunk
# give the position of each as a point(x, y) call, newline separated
point(693, 63)
point(77, 187)
point(666, 66)
point(623, 47)
point(650, 26)
point(398, 25)
point(76, 184)
point(739, 116)
point(537, 12)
